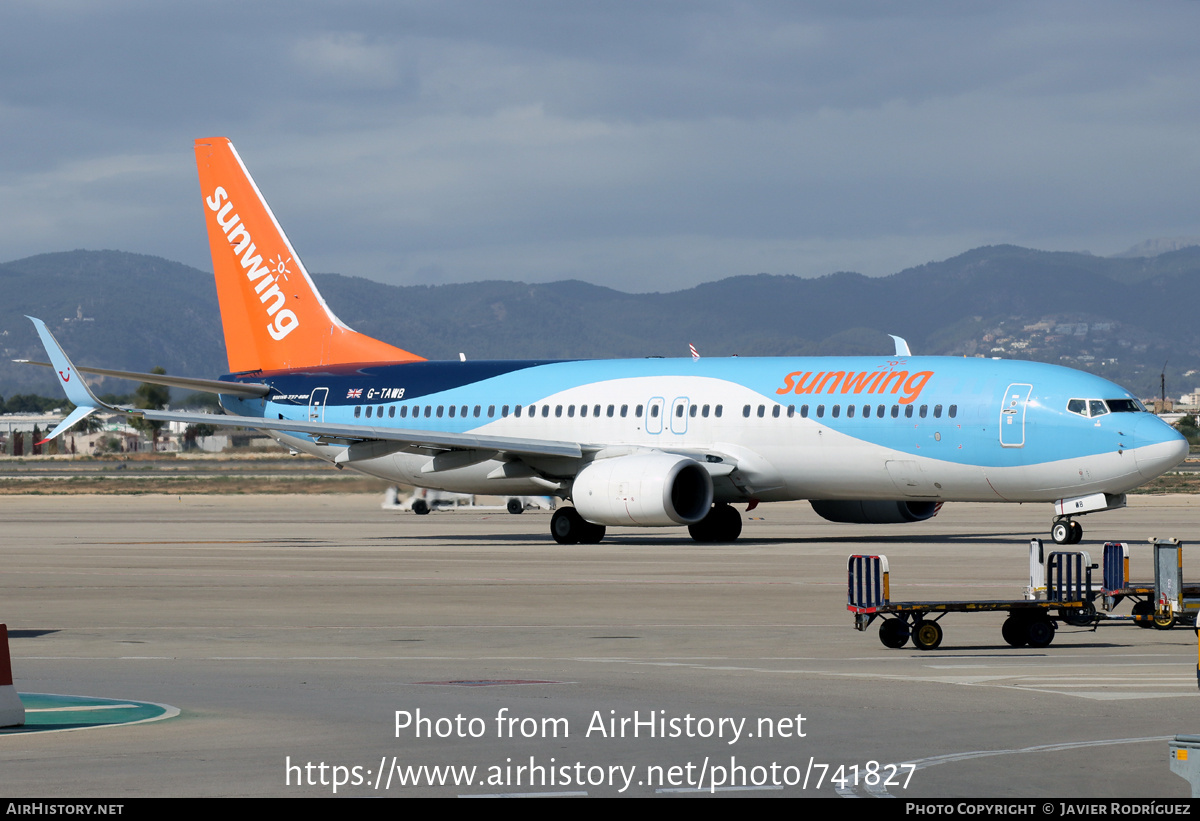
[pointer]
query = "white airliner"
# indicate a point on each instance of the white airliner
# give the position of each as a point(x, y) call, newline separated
point(647, 442)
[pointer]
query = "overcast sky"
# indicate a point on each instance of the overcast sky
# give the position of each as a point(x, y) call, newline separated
point(639, 145)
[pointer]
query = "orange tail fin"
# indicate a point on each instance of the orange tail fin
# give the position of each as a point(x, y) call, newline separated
point(273, 316)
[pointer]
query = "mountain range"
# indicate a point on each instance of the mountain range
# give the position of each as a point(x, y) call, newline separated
point(1121, 317)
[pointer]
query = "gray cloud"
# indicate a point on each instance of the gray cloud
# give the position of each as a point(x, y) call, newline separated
point(644, 146)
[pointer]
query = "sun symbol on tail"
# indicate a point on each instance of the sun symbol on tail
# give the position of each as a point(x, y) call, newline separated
point(279, 266)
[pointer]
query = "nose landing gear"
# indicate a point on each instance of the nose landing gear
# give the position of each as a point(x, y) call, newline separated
point(1066, 531)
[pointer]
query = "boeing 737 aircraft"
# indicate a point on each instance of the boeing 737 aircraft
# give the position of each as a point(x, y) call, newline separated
point(648, 442)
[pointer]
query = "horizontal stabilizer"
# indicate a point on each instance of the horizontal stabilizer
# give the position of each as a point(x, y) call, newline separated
point(188, 382)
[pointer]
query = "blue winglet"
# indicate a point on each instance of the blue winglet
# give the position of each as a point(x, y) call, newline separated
point(70, 380)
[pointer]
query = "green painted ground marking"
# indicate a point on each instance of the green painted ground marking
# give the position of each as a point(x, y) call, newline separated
point(50, 713)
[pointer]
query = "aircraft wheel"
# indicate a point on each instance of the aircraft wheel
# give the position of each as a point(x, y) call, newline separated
point(1014, 632)
point(1143, 613)
point(926, 635)
point(893, 633)
point(1040, 632)
point(729, 523)
point(566, 526)
point(1061, 532)
point(1076, 533)
point(722, 523)
point(420, 507)
point(515, 506)
point(590, 533)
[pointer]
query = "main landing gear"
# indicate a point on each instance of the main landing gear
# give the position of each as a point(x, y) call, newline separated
point(568, 527)
point(1066, 531)
point(722, 523)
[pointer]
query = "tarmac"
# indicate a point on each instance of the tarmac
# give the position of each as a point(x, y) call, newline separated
point(320, 645)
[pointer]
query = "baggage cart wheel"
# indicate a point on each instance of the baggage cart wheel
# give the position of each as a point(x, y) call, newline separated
point(1040, 632)
point(1078, 616)
point(1162, 622)
point(1144, 612)
point(1014, 632)
point(893, 633)
point(926, 635)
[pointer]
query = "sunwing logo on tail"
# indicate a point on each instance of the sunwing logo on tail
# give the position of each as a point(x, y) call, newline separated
point(267, 274)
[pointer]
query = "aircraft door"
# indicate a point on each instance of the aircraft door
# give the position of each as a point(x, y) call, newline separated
point(654, 415)
point(1012, 415)
point(316, 404)
point(679, 414)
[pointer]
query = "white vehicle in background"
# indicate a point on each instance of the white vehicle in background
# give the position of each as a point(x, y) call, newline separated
point(422, 500)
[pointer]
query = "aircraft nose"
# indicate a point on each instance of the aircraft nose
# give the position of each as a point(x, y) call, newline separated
point(1158, 447)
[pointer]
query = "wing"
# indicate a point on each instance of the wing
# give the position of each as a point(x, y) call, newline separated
point(353, 435)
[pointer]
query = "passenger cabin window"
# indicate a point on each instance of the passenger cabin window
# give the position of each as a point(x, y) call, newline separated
point(717, 411)
point(746, 411)
point(392, 412)
point(357, 411)
point(404, 411)
point(546, 411)
point(953, 411)
point(775, 411)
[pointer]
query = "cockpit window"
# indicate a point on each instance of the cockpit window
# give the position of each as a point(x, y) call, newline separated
point(1125, 405)
point(1099, 407)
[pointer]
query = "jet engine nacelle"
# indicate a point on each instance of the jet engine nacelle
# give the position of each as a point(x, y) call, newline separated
point(644, 489)
point(874, 512)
